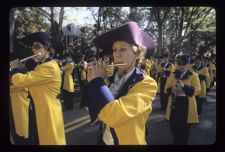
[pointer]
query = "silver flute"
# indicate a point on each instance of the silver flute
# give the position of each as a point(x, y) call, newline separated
point(114, 65)
point(27, 58)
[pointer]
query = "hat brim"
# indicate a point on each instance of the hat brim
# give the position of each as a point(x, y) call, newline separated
point(42, 37)
point(130, 33)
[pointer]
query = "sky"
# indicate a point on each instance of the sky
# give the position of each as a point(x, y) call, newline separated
point(78, 16)
point(81, 16)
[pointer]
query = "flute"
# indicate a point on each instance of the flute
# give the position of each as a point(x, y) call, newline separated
point(114, 65)
point(27, 58)
point(30, 57)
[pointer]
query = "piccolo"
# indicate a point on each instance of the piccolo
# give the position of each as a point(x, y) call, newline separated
point(27, 58)
point(114, 65)
point(30, 57)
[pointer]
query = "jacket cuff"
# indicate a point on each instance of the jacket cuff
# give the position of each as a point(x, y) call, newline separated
point(99, 95)
point(189, 90)
point(16, 70)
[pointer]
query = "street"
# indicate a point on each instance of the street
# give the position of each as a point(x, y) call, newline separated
point(79, 131)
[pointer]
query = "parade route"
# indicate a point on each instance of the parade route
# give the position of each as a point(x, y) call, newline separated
point(79, 131)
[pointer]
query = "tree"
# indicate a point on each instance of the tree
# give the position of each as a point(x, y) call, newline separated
point(32, 19)
point(12, 28)
point(159, 15)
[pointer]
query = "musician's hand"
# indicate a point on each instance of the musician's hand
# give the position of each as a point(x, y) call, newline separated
point(14, 64)
point(98, 70)
point(17, 64)
point(180, 83)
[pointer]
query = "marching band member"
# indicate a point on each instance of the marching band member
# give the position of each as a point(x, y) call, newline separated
point(68, 83)
point(211, 67)
point(165, 70)
point(204, 78)
point(182, 86)
point(44, 86)
point(19, 102)
point(122, 107)
point(147, 66)
point(153, 69)
point(207, 65)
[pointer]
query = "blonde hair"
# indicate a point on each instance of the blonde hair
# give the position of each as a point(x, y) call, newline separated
point(140, 51)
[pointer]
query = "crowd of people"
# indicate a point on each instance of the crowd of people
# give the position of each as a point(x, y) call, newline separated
point(117, 88)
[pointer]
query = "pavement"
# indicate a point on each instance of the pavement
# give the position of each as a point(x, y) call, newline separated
point(79, 131)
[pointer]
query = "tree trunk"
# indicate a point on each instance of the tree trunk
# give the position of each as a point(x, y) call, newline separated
point(61, 15)
point(180, 29)
point(159, 45)
point(12, 28)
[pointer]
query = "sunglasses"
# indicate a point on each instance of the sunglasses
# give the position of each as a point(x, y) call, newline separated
point(37, 46)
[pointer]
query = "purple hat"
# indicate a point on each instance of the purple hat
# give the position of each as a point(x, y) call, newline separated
point(129, 32)
point(42, 37)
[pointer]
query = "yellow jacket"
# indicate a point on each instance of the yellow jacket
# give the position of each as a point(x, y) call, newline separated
point(128, 114)
point(212, 71)
point(147, 64)
point(68, 83)
point(193, 81)
point(204, 84)
point(83, 71)
point(44, 85)
point(20, 109)
point(170, 68)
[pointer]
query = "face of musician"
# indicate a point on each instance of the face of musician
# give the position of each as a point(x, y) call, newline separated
point(40, 48)
point(124, 52)
point(182, 67)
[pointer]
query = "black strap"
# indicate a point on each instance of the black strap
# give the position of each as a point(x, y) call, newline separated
point(115, 139)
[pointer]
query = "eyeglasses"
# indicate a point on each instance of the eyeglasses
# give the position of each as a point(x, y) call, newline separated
point(37, 46)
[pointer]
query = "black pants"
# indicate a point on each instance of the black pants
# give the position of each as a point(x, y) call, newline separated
point(33, 138)
point(178, 121)
point(163, 96)
point(180, 132)
point(68, 98)
point(199, 101)
point(163, 100)
point(82, 82)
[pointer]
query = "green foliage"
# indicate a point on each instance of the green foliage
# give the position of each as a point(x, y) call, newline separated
point(29, 20)
point(177, 28)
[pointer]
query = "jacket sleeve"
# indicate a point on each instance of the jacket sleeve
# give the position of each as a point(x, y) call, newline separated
point(136, 102)
point(196, 84)
point(67, 67)
point(207, 76)
point(169, 83)
point(40, 75)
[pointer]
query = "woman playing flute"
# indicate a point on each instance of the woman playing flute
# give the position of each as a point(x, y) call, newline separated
point(124, 105)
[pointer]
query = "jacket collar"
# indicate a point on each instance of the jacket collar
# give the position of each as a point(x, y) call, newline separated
point(136, 76)
point(177, 74)
point(46, 60)
point(198, 68)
